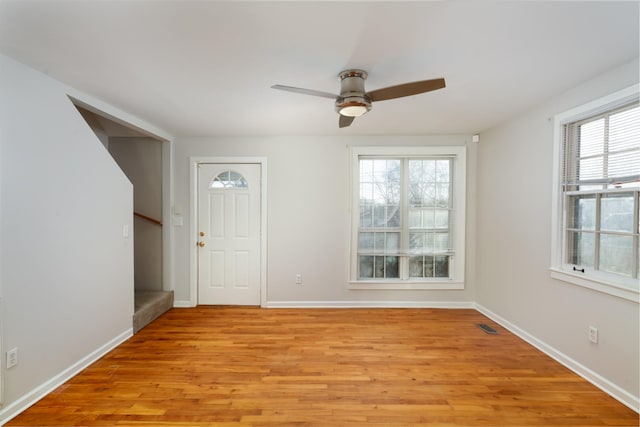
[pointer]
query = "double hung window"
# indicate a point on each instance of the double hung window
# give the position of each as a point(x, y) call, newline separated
point(598, 191)
point(408, 206)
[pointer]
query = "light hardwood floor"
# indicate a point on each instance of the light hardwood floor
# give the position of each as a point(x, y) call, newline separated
point(240, 366)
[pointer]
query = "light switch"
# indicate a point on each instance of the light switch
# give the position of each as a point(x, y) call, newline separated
point(125, 231)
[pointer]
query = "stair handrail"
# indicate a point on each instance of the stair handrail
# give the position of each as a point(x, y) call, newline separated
point(148, 218)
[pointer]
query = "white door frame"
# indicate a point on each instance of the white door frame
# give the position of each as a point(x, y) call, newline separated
point(193, 238)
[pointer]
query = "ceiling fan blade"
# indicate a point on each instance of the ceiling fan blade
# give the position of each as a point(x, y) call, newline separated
point(406, 89)
point(345, 121)
point(305, 91)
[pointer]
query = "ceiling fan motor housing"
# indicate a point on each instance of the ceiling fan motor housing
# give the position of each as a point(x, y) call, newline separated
point(353, 100)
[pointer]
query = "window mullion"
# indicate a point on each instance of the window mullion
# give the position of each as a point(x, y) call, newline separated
point(404, 219)
point(596, 240)
point(605, 155)
point(596, 147)
point(636, 238)
point(452, 212)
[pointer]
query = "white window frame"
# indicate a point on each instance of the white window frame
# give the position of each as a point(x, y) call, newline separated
point(622, 287)
point(457, 263)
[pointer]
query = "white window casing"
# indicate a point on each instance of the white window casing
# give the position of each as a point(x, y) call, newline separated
point(580, 176)
point(454, 253)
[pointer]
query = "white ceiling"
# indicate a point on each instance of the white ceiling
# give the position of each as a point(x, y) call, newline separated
point(206, 67)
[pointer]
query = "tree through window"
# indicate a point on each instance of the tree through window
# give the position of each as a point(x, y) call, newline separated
point(229, 179)
point(601, 181)
point(596, 195)
point(407, 216)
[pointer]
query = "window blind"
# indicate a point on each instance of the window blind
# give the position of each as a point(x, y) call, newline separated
point(603, 151)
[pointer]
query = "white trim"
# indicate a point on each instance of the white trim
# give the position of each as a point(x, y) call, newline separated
point(3, 361)
point(599, 105)
point(459, 199)
point(558, 269)
point(602, 383)
point(15, 408)
point(95, 105)
point(594, 378)
point(371, 304)
point(123, 118)
point(182, 304)
point(596, 284)
point(193, 229)
point(404, 285)
point(193, 202)
point(167, 229)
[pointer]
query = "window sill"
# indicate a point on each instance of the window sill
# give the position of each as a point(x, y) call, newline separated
point(404, 285)
point(609, 288)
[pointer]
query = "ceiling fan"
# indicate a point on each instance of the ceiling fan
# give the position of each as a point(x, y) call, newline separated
point(353, 101)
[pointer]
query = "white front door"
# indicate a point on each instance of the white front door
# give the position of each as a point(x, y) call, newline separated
point(229, 234)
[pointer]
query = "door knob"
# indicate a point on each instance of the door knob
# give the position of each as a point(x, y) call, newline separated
point(201, 244)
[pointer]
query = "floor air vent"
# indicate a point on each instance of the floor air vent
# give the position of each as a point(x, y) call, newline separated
point(488, 329)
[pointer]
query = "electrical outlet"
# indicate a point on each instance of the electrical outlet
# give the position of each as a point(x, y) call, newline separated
point(593, 334)
point(12, 358)
point(298, 279)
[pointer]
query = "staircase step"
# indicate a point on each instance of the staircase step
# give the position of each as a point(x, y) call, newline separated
point(149, 305)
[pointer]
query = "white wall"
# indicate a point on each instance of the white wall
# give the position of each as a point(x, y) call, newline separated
point(67, 271)
point(141, 161)
point(514, 246)
point(308, 217)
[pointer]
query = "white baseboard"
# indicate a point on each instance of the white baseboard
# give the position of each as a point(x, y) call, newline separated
point(602, 383)
point(369, 304)
point(183, 304)
point(594, 378)
point(15, 408)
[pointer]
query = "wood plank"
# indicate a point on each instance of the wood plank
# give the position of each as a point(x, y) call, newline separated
point(243, 366)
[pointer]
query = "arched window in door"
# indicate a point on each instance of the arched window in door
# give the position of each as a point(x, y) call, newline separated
point(228, 179)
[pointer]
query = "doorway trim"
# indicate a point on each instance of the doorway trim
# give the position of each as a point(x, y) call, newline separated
point(145, 129)
point(193, 203)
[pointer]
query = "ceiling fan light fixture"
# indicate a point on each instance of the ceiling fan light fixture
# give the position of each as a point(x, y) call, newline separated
point(354, 106)
point(353, 101)
point(353, 110)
